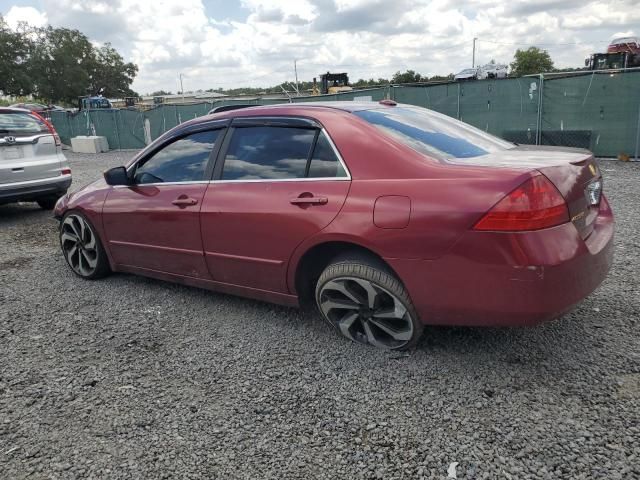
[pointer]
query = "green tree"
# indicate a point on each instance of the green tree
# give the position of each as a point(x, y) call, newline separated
point(14, 61)
point(109, 74)
point(531, 61)
point(442, 78)
point(61, 64)
point(407, 77)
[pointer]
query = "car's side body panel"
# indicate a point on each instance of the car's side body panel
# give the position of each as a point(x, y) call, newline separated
point(145, 229)
point(501, 279)
point(250, 229)
point(287, 300)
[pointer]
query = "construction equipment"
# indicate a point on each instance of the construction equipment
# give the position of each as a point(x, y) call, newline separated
point(93, 102)
point(130, 102)
point(622, 53)
point(332, 83)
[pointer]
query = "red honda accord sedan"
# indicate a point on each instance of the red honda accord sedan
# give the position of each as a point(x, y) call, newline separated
point(386, 216)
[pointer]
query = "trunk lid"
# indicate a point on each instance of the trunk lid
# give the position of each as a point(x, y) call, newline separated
point(28, 150)
point(573, 171)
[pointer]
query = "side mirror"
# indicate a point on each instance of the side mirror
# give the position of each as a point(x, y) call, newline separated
point(117, 176)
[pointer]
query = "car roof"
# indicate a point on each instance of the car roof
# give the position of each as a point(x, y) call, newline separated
point(14, 110)
point(346, 106)
point(309, 108)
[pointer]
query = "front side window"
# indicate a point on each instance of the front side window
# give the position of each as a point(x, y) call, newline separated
point(434, 134)
point(276, 153)
point(184, 160)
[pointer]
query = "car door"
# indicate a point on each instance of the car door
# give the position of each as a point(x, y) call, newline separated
point(276, 183)
point(154, 223)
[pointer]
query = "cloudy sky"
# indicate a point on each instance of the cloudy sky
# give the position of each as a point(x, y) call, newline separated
point(225, 43)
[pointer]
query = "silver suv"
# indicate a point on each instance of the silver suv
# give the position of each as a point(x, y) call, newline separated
point(32, 165)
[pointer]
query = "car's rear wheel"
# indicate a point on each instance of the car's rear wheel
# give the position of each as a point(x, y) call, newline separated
point(82, 248)
point(367, 304)
point(47, 203)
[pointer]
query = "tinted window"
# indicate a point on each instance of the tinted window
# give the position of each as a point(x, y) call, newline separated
point(21, 124)
point(434, 134)
point(184, 160)
point(268, 153)
point(324, 162)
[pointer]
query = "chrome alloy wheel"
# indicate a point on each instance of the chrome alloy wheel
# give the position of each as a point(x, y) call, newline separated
point(79, 245)
point(365, 312)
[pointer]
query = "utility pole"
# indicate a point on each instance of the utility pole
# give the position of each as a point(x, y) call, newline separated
point(473, 59)
point(295, 68)
point(181, 87)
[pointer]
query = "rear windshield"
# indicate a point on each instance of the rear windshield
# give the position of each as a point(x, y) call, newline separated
point(20, 124)
point(434, 134)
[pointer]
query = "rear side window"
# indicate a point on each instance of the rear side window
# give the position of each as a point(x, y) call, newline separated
point(434, 134)
point(21, 124)
point(184, 160)
point(276, 153)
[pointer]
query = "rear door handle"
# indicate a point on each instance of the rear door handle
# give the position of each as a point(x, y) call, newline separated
point(184, 201)
point(309, 200)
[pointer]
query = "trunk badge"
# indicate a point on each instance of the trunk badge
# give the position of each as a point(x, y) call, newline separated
point(594, 192)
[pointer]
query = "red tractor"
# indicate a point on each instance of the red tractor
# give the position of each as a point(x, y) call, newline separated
point(622, 53)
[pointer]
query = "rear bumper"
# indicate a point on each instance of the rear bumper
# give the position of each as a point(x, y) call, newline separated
point(509, 279)
point(25, 191)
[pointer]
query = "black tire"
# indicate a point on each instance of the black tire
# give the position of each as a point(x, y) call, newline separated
point(91, 252)
point(353, 274)
point(47, 203)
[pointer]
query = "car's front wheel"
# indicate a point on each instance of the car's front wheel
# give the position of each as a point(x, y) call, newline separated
point(82, 248)
point(367, 304)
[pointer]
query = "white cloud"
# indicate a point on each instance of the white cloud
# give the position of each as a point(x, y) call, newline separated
point(367, 38)
point(30, 15)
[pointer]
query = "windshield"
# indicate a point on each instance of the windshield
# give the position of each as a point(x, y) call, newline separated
point(100, 103)
point(434, 134)
point(607, 61)
point(20, 124)
point(468, 70)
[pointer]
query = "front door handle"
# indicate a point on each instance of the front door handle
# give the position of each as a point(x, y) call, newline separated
point(309, 200)
point(184, 201)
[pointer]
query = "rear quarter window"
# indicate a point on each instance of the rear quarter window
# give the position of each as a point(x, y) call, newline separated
point(433, 134)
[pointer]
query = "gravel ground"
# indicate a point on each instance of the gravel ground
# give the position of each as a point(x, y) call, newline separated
point(134, 378)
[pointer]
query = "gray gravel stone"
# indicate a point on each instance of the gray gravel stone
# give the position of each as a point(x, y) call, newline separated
point(134, 378)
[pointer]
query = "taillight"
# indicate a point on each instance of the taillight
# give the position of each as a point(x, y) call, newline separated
point(49, 125)
point(65, 171)
point(534, 205)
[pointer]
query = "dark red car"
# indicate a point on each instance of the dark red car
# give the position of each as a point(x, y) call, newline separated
point(386, 216)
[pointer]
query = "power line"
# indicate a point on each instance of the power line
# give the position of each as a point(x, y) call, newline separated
point(541, 44)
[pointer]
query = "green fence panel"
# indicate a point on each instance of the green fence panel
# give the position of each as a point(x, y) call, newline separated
point(130, 132)
point(596, 111)
point(603, 107)
point(441, 98)
point(507, 108)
